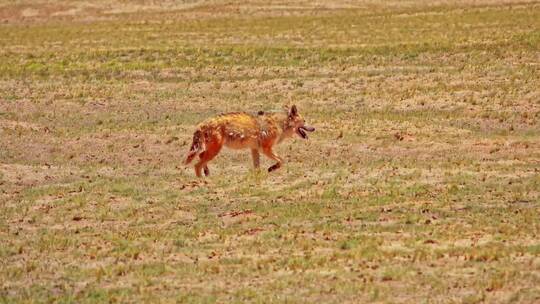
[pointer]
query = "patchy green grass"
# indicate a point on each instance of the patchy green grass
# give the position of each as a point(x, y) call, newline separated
point(421, 183)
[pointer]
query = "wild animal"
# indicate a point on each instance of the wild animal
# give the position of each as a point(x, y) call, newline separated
point(241, 130)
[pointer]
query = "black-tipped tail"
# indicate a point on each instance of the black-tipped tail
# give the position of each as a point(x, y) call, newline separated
point(196, 147)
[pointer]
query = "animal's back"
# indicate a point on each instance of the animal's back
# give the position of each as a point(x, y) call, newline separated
point(238, 130)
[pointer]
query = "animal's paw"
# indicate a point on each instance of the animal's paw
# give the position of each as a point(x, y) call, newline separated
point(274, 167)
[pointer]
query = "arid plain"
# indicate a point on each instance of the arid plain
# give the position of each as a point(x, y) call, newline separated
point(420, 185)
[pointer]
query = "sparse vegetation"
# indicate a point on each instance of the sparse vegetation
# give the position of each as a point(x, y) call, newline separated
point(421, 183)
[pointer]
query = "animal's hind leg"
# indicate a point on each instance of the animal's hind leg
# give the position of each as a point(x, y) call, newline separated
point(201, 166)
point(198, 167)
point(206, 170)
point(211, 151)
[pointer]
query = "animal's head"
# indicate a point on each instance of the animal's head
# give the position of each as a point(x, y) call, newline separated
point(297, 124)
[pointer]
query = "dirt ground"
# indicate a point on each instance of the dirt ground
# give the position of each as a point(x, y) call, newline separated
point(420, 184)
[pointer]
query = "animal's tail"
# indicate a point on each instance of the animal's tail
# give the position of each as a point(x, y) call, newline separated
point(196, 147)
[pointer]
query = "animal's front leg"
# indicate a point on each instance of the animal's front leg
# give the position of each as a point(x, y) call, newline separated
point(274, 156)
point(256, 158)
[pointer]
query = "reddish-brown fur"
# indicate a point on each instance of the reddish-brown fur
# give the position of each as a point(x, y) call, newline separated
point(245, 131)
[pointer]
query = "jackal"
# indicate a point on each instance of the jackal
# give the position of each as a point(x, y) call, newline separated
point(241, 130)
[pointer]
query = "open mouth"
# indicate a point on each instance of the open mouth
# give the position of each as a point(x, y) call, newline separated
point(302, 131)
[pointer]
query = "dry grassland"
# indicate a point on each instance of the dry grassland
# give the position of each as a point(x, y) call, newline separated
point(420, 185)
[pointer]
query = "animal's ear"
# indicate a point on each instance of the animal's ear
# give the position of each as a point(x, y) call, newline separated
point(293, 111)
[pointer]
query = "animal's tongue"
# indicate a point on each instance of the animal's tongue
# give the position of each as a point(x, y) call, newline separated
point(302, 133)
